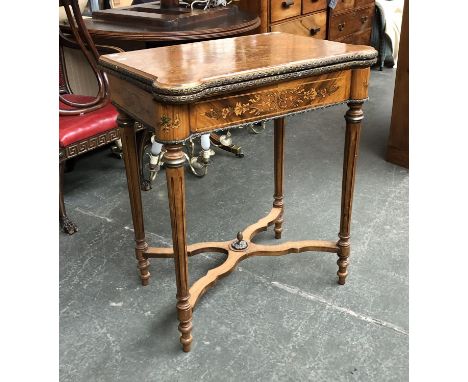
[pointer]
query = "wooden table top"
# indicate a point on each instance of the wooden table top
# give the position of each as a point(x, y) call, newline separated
point(239, 22)
point(191, 71)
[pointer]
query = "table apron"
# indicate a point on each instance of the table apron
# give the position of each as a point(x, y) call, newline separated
point(270, 101)
point(177, 122)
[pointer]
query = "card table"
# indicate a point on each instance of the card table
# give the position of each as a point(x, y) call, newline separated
point(188, 90)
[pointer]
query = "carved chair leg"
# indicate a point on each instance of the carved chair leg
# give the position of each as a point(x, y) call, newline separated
point(174, 159)
point(279, 171)
point(353, 117)
point(67, 225)
point(130, 154)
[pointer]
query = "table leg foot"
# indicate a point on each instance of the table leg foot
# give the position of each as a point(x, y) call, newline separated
point(184, 314)
point(343, 254)
point(279, 227)
point(143, 263)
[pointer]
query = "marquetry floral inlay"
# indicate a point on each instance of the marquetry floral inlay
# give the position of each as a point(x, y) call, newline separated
point(167, 123)
point(266, 102)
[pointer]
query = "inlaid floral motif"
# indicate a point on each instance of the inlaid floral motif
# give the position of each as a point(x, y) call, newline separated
point(263, 103)
point(167, 123)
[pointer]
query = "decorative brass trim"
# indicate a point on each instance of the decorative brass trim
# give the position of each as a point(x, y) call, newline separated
point(245, 80)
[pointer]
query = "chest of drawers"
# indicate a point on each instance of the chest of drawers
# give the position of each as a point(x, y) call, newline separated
point(350, 21)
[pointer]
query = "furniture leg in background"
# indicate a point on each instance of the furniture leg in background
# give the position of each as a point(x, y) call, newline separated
point(279, 171)
point(398, 140)
point(130, 154)
point(353, 117)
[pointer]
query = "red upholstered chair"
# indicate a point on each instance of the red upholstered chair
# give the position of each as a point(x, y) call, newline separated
point(85, 122)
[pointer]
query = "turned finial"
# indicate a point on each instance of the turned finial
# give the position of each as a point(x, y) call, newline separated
point(240, 244)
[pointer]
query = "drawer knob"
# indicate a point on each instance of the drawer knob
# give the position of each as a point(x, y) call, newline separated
point(364, 19)
point(341, 26)
point(314, 31)
point(287, 3)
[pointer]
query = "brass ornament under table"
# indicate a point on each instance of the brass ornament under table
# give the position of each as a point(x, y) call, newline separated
point(233, 82)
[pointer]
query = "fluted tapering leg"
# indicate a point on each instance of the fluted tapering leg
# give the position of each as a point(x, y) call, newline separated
point(353, 117)
point(130, 154)
point(174, 161)
point(279, 171)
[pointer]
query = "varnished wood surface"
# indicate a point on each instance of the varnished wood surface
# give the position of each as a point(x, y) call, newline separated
point(240, 22)
point(280, 10)
point(258, 7)
point(309, 6)
point(314, 25)
point(130, 154)
point(293, 19)
point(270, 101)
point(180, 68)
point(398, 140)
point(174, 159)
point(282, 95)
point(278, 196)
point(200, 286)
point(347, 23)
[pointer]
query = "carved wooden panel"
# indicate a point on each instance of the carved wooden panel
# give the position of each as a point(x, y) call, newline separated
point(270, 101)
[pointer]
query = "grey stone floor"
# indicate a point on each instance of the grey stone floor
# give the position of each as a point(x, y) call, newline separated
point(274, 319)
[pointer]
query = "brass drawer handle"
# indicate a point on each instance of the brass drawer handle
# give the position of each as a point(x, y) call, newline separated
point(314, 31)
point(341, 26)
point(287, 3)
point(364, 19)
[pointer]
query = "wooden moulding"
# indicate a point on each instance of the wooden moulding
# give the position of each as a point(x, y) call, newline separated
point(200, 286)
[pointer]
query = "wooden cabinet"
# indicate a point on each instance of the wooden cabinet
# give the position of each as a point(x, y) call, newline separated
point(314, 25)
point(283, 9)
point(309, 6)
point(350, 21)
point(398, 140)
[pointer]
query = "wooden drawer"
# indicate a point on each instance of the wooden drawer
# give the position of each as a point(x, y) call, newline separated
point(347, 23)
point(363, 3)
point(343, 5)
point(360, 38)
point(314, 25)
point(309, 6)
point(283, 9)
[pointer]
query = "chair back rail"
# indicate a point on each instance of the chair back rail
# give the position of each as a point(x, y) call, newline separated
point(80, 39)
